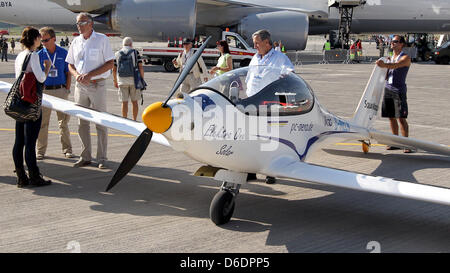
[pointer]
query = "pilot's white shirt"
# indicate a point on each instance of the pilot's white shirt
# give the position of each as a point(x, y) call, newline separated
point(88, 55)
point(256, 78)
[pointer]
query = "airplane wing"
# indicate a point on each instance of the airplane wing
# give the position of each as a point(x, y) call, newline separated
point(226, 3)
point(101, 118)
point(406, 142)
point(290, 168)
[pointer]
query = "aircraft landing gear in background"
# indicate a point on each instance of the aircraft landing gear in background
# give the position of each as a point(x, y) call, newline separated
point(222, 205)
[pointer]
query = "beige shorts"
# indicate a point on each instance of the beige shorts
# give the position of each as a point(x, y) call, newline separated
point(127, 92)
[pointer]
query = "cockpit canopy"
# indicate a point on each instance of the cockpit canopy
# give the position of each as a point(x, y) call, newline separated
point(265, 90)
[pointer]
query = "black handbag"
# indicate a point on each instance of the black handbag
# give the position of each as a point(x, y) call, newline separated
point(19, 109)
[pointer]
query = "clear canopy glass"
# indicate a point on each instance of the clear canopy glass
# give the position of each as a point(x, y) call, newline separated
point(278, 89)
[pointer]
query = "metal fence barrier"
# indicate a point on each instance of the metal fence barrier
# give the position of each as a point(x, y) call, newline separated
point(335, 55)
point(411, 52)
point(344, 56)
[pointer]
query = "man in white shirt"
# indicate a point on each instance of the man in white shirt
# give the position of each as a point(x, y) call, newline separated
point(257, 77)
point(90, 59)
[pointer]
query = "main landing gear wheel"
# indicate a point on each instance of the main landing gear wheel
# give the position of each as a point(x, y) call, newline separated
point(222, 205)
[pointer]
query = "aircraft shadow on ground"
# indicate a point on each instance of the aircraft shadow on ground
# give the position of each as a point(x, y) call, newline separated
point(339, 220)
point(398, 166)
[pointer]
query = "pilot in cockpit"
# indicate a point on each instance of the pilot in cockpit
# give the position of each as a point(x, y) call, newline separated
point(258, 76)
point(266, 58)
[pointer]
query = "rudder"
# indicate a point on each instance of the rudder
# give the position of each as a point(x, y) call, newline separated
point(370, 102)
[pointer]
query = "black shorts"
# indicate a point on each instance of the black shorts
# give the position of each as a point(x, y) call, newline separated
point(394, 104)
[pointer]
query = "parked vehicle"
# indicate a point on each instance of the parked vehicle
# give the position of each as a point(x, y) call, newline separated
point(441, 55)
point(241, 52)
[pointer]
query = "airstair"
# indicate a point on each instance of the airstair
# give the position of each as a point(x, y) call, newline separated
point(346, 15)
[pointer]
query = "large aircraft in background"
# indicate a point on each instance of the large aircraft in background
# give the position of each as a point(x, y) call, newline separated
point(41, 13)
point(288, 20)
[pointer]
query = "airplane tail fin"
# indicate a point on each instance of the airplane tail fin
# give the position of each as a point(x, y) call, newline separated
point(370, 102)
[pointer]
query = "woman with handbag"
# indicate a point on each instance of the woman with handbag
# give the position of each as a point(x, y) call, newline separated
point(27, 132)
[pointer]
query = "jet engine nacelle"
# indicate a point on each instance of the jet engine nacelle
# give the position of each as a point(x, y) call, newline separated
point(288, 26)
point(149, 20)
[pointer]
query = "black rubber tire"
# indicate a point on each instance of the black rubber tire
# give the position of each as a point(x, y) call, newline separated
point(221, 209)
point(169, 67)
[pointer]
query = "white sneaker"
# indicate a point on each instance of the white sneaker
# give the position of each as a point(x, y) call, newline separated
point(102, 165)
point(69, 155)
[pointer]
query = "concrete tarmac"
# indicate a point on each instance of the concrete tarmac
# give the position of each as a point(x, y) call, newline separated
point(161, 207)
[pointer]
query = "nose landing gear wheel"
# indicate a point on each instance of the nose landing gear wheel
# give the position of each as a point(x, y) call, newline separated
point(222, 205)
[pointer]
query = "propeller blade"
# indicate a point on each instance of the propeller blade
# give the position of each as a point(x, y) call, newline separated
point(188, 67)
point(134, 154)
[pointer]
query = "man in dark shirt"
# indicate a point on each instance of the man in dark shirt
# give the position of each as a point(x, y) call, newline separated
point(395, 106)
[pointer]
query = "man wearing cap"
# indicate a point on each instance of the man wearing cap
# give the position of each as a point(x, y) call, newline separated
point(198, 74)
point(57, 84)
point(90, 61)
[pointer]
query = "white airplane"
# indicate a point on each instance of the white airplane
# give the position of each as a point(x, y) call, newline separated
point(286, 133)
point(41, 13)
point(288, 20)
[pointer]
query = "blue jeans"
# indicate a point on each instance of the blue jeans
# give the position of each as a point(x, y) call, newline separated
point(26, 136)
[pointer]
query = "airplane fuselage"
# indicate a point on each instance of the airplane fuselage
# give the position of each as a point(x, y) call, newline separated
point(246, 143)
point(40, 13)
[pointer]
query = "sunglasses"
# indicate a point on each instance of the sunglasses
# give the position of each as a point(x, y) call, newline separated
point(395, 41)
point(46, 40)
point(82, 23)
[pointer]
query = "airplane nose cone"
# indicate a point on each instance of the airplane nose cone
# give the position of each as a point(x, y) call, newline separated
point(157, 118)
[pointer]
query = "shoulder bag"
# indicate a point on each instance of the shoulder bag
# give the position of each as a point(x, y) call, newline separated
point(23, 102)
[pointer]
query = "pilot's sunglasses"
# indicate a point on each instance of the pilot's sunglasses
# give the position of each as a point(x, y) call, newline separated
point(82, 23)
point(395, 41)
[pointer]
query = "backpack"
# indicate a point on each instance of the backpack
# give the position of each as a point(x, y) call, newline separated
point(125, 64)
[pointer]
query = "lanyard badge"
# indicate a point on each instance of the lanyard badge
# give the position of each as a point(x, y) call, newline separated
point(53, 73)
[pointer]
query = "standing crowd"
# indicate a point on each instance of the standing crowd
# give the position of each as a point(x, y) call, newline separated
point(89, 61)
